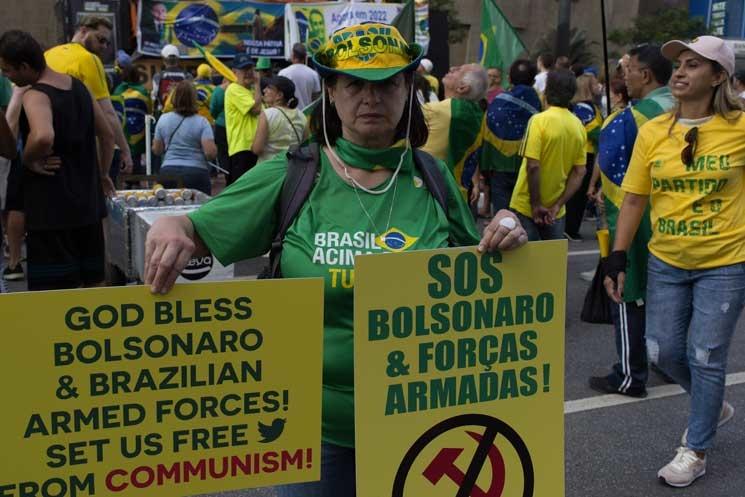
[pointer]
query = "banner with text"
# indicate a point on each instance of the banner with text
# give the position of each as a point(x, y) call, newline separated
point(223, 28)
point(459, 373)
point(212, 387)
point(312, 23)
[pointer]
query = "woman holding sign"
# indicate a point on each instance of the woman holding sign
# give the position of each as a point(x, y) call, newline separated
point(373, 193)
point(689, 166)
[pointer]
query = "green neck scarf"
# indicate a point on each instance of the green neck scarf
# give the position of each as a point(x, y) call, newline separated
point(372, 159)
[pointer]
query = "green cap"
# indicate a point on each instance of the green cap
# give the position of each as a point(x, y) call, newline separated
point(263, 63)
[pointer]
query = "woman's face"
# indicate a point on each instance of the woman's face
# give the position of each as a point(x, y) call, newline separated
point(271, 95)
point(369, 111)
point(694, 77)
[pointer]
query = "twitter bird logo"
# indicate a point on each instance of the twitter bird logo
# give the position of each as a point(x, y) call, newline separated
point(272, 432)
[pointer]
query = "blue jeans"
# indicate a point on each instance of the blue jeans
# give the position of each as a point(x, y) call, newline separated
point(691, 316)
point(193, 177)
point(337, 476)
point(501, 185)
point(537, 232)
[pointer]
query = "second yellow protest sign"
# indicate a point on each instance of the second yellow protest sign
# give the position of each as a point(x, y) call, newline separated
point(117, 392)
point(459, 373)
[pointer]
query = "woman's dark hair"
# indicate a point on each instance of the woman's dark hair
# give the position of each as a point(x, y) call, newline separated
point(560, 87)
point(419, 132)
point(19, 47)
point(131, 74)
point(184, 99)
point(522, 72)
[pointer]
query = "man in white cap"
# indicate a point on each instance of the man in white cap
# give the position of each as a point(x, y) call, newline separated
point(425, 69)
point(169, 76)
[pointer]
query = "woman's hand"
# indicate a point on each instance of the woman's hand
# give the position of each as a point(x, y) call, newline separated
point(504, 232)
point(168, 248)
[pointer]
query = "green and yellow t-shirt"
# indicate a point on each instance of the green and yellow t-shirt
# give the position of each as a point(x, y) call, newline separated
point(697, 211)
point(240, 124)
point(557, 139)
point(329, 231)
point(217, 106)
point(74, 60)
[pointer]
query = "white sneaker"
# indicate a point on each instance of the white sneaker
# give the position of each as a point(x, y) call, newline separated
point(684, 469)
point(587, 275)
point(727, 413)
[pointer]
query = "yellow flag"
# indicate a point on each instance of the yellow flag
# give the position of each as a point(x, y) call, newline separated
point(217, 64)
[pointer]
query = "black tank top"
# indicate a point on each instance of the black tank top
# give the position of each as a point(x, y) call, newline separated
point(73, 197)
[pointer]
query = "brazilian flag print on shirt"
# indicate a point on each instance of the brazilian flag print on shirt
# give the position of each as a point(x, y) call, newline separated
point(137, 106)
point(331, 229)
point(616, 144)
point(592, 119)
point(454, 136)
point(504, 126)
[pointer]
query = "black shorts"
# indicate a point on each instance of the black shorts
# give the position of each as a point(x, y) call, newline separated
point(69, 258)
point(14, 193)
point(240, 164)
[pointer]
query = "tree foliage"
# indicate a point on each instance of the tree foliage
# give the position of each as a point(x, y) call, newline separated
point(580, 48)
point(664, 25)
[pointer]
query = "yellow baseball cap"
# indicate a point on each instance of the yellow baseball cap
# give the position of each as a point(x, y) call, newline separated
point(370, 51)
point(204, 71)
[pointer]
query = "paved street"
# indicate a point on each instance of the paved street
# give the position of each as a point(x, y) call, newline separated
point(614, 446)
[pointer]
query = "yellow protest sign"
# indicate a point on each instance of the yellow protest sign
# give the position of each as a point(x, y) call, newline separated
point(459, 373)
point(215, 386)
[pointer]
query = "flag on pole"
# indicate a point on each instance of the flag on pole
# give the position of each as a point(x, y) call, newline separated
point(500, 44)
point(405, 21)
point(217, 64)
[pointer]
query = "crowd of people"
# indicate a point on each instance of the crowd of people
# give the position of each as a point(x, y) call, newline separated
point(534, 148)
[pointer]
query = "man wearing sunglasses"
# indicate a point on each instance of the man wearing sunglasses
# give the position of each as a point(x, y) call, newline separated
point(81, 59)
point(646, 74)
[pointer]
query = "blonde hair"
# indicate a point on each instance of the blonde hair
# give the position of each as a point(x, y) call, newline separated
point(584, 89)
point(724, 101)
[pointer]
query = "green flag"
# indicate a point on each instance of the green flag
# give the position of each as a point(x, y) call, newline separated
point(405, 22)
point(500, 45)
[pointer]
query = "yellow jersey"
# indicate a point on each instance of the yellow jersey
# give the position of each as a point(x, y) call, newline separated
point(74, 60)
point(558, 140)
point(697, 210)
point(240, 124)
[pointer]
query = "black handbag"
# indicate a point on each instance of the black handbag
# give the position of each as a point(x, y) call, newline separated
point(596, 308)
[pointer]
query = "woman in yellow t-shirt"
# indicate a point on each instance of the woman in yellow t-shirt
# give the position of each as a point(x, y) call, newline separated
point(689, 165)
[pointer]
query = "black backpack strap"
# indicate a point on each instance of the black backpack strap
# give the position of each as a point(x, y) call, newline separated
point(432, 177)
point(302, 169)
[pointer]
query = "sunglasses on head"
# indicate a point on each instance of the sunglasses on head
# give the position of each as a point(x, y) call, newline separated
point(689, 151)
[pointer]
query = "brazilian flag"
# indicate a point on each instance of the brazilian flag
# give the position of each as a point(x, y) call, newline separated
point(504, 126)
point(592, 120)
point(616, 144)
point(464, 140)
point(500, 44)
point(137, 106)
